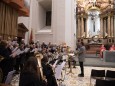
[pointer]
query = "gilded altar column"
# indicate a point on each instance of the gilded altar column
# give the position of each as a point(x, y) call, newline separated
point(109, 20)
point(86, 28)
point(78, 32)
point(82, 27)
point(101, 27)
point(112, 27)
point(104, 27)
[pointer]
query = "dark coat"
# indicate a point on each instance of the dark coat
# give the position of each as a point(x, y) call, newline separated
point(48, 72)
point(7, 63)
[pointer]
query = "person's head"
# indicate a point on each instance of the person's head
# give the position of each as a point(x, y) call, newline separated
point(81, 44)
point(3, 43)
point(9, 39)
point(15, 38)
point(31, 65)
point(22, 46)
point(0, 38)
point(23, 40)
point(102, 45)
point(113, 45)
point(45, 59)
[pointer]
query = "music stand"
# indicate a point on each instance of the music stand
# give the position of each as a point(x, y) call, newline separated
point(70, 60)
point(58, 73)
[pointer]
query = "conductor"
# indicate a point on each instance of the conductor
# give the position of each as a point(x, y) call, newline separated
point(81, 58)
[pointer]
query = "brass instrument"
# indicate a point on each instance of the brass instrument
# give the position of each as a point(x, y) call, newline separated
point(39, 56)
point(1, 58)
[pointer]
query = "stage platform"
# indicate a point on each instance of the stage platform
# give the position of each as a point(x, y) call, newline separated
point(93, 60)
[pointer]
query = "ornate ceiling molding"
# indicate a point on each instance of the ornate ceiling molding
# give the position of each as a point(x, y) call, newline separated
point(100, 5)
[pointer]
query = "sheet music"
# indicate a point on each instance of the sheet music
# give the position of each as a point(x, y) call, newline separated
point(26, 50)
point(58, 70)
point(32, 50)
point(54, 65)
point(21, 52)
point(18, 52)
point(9, 77)
point(14, 49)
point(14, 42)
point(71, 54)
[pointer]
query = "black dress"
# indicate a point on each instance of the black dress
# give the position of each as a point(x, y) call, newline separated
point(48, 72)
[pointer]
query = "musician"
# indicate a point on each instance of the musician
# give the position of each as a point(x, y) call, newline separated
point(7, 63)
point(22, 41)
point(31, 51)
point(30, 76)
point(0, 39)
point(20, 59)
point(38, 43)
point(48, 72)
point(15, 40)
point(81, 58)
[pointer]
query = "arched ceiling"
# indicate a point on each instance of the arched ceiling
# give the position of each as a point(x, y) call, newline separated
point(101, 5)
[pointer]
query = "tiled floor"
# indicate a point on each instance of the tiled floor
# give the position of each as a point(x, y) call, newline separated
point(72, 79)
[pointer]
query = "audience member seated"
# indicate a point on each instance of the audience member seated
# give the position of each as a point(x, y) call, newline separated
point(112, 48)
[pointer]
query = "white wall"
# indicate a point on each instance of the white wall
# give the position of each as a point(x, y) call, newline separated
point(58, 21)
point(25, 21)
point(63, 27)
point(41, 17)
point(70, 30)
point(39, 23)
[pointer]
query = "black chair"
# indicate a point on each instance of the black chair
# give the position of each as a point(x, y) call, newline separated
point(102, 82)
point(97, 74)
point(110, 75)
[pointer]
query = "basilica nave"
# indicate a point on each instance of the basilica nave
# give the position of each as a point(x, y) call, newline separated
point(42, 39)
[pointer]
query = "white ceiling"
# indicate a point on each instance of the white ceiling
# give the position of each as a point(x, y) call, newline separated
point(46, 4)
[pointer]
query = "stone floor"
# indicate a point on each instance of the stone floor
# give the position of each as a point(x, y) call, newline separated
point(72, 79)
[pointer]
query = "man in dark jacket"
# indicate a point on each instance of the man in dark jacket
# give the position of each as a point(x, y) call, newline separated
point(81, 58)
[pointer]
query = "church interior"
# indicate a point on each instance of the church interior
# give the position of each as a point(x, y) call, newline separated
point(57, 42)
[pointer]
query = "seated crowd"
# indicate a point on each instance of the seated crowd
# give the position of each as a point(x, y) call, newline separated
point(32, 61)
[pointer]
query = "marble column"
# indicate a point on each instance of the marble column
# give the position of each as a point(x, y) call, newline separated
point(109, 21)
point(80, 29)
point(114, 28)
point(111, 27)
